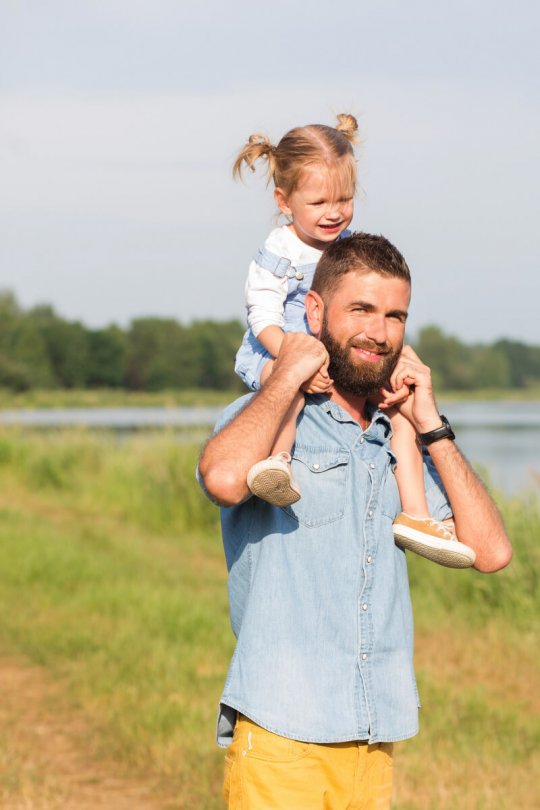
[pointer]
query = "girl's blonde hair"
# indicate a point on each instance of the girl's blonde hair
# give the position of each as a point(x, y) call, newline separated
point(301, 147)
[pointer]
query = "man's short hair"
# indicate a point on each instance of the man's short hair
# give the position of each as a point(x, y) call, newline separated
point(359, 252)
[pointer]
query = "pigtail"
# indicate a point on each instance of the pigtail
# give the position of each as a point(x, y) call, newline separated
point(348, 125)
point(257, 147)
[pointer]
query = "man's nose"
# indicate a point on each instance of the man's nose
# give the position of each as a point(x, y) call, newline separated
point(376, 329)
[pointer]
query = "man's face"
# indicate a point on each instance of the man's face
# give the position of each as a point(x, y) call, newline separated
point(363, 329)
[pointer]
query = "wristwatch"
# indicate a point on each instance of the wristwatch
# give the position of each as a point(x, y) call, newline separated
point(442, 432)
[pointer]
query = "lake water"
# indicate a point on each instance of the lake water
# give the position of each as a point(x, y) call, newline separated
point(502, 438)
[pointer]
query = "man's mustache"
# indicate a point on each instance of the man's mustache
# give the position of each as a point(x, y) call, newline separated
point(369, 346)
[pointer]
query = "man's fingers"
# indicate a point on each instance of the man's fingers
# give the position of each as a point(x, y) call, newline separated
point(409, 353)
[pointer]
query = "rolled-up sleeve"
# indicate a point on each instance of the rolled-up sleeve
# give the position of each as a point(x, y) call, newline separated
point(265, 299)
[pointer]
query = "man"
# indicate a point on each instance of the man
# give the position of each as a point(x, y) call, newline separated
point(321, 682)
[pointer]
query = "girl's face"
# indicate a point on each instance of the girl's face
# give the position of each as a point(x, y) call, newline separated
point(319, 209)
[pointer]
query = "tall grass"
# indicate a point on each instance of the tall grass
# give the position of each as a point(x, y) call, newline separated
point(112, 397)
point(112, 576)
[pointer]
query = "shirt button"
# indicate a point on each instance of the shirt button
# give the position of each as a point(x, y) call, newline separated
point(372, 466)
point(316, 466)
point(361, 440)
point(369, 558)
point(364, 606)
point(370, 513)
point(364, 656)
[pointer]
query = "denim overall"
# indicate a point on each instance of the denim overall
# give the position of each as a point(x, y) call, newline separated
point(252, 355)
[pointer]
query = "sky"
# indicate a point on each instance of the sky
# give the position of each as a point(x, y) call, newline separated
point(120, 121)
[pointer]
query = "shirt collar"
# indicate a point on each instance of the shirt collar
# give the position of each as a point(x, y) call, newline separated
point(380, 423)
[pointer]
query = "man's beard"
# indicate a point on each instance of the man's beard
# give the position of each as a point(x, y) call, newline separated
point(354, 375)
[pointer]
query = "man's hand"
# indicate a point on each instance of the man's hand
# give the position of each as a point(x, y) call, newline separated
point(412, 378)
point(301, 359)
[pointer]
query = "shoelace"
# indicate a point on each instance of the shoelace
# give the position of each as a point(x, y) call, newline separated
point(443, 531)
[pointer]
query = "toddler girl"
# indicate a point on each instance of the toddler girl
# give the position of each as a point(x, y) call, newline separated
point(314, 173)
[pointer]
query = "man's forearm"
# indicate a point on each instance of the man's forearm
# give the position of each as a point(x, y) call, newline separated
point(228, 456)
point(478, 522)
point(250, 436)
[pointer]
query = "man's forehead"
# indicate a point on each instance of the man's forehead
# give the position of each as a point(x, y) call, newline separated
point(361, 282)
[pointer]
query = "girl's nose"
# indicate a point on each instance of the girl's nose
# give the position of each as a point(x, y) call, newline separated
point(333, 212)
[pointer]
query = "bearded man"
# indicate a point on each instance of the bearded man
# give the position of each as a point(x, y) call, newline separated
point(321, 682)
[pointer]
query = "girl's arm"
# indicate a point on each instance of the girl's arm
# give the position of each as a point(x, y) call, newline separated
point(265, 300)
point(271, 338)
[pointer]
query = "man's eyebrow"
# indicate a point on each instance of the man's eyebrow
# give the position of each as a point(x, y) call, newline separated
point(363, 304)
point(369, 307)
point(398, 313)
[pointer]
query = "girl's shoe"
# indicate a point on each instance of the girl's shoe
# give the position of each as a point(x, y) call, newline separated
point(272, 480)
point(433, 540)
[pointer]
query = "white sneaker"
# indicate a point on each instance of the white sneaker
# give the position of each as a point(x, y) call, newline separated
point(433, 540)
point(272, 480)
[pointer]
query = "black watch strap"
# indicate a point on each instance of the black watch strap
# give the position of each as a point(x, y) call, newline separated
point(442, 432)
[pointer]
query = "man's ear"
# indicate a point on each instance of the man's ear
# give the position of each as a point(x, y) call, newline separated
point(314, 312)
point(282, 202)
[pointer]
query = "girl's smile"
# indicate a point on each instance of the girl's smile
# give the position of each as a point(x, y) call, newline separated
point(319, 208)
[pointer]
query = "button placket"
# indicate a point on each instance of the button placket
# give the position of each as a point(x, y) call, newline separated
point(365, 614)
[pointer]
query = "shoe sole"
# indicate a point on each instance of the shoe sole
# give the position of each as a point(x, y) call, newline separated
point(274, 487)
point(449, 553)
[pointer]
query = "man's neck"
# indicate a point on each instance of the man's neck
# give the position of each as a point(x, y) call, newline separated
point(353, 404)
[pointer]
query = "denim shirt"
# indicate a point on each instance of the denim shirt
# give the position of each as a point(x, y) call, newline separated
point(318, 591)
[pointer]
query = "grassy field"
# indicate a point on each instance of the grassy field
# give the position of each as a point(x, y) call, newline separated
point(115, 398)
point(112, 582)
point(110, 398)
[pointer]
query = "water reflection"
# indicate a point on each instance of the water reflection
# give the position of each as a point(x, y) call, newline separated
point(502, 438)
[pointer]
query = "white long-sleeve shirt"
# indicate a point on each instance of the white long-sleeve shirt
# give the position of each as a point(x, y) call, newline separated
point(265, 292)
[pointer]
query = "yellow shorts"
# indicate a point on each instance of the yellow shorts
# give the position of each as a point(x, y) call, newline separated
point(264, 771)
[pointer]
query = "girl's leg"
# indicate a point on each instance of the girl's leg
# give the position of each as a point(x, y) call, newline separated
point(414, 529)
point(410, 468)
point(271, 479)
point(287, 431)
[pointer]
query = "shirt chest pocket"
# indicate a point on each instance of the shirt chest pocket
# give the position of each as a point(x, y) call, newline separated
point(321, 473)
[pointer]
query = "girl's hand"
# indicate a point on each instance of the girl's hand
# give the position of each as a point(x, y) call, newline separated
point(319, 383)
point(386, 398)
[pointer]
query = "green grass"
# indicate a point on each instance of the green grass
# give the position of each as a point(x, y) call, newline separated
point(110, 397)
point(530, 394)
point(112, 577)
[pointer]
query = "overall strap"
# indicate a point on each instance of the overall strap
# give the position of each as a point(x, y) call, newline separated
point(278, 265)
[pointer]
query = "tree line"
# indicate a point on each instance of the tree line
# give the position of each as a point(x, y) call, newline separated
point(40, 349)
